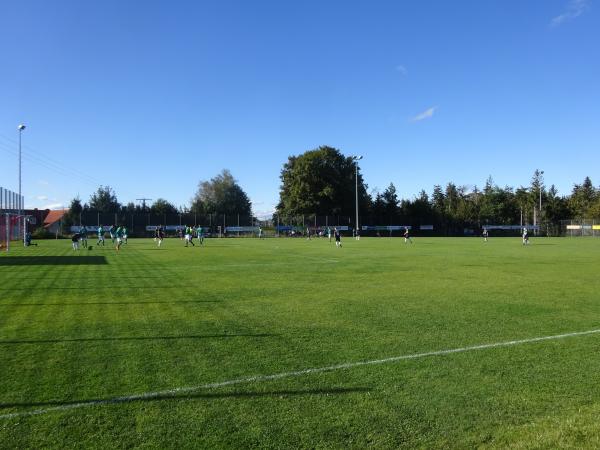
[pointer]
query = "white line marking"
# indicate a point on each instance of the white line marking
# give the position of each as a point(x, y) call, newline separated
point(277, 376)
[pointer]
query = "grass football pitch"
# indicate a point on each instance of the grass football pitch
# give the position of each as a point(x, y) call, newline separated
point(210, 347)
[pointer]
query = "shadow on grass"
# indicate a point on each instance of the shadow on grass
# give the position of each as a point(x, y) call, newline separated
point(104, 303)
point(192, 396)
point(133, 338)
point(52, 260)
point(90, 288)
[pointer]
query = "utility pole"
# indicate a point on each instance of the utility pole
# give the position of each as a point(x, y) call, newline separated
point(143, 200)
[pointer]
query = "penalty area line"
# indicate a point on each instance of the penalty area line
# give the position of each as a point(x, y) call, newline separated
point(260, 378)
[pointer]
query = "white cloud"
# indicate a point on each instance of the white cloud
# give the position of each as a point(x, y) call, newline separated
point(427, 114)
point(42, 197)
point(575, 8)
point(264, 215)
point(401, 69)
point(43, 182)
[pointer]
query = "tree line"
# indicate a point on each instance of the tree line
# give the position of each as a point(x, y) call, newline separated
point(324, 182)
point(219, 195)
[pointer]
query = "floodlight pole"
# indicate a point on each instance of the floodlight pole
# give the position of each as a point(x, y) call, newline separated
point(356, 159)
point(21, 127)
point(540, 219)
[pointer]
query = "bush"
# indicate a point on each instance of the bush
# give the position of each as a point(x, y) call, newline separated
point(42, 233)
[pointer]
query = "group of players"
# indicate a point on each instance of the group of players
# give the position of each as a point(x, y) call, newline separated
point(118, 236)
point(186, 233)
point(524, 234)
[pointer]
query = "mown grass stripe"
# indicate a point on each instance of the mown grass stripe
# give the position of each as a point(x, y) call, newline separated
point(277, 376)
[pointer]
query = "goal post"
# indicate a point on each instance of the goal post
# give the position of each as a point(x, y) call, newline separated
point(9, 230)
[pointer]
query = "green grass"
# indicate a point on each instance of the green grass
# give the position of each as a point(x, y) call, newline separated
point(98, 325)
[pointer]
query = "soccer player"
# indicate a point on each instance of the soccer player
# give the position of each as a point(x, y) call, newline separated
point(259, 232)
point(200, 235)
point(124, 234)
point(75, 241)
point(329, 233)
point(112, 231)
point(338, 237)
point(188, 236)
point(100, 236)
point(190, 231)
point(83, 236)
point(525, 236)
point(160, 235)
point(119, 238)
point(485, 234)
point(407, 237)
point(308, 233)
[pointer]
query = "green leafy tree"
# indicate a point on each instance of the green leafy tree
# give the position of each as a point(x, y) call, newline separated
point(104, 200)
point(221, 195)
point(162, 207)
point(322, 182)
point(419, 211)
point(582, 198)
point(74, 213)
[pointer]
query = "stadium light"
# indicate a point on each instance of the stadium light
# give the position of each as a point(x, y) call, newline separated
point(21, 127)
point(356, 159)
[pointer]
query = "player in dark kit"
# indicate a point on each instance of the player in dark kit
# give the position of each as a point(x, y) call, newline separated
point(407, 237)
point(160, 235)
point(75, 240)
point(338, 237)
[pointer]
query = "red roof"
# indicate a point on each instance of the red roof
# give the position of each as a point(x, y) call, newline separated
point(54, 216)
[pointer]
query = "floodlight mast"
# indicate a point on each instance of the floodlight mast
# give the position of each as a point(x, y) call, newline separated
point(21, 127)
point(540, 189)
point(356, 159)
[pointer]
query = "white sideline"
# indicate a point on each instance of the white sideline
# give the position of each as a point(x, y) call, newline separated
point(259, 378)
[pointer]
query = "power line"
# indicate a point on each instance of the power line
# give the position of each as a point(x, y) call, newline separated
point(64, 171)
point(49, 163)
point(48, 160)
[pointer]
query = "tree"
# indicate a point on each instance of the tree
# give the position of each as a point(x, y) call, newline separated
point(522, 200)
point(390, 201)
point(72, 217)
point(104, 200)
point(162, 207)
point(130, 208)
point(322, 182)
point(418, 211)
point(222, 195)
point(378, 206)
point(582, 198)
point(555, 209)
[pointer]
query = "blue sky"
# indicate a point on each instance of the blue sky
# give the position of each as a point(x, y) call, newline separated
point(150, 97)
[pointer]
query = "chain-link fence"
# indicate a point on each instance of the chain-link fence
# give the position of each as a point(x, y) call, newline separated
point(583, 227)
point(141, 224)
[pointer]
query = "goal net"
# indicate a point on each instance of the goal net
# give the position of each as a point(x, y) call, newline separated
point(10, 230)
